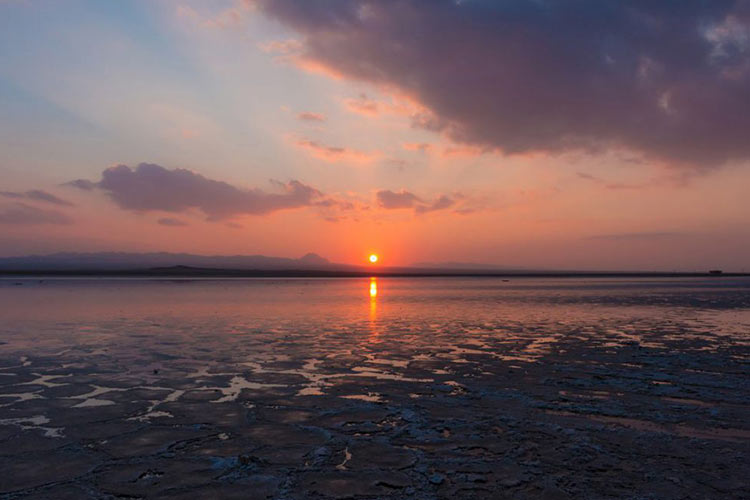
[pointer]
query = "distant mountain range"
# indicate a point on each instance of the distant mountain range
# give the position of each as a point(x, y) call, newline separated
point(311, 265)
point(119, 261)
point(473, 266)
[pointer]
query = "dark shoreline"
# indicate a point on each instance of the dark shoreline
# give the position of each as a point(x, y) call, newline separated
point(190, 272)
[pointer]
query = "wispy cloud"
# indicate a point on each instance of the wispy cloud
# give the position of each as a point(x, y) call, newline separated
point(362, 105)
point(309, 116)
point(392, 200)
point(612, 185)
point(335, 154)
point(671, 178)
point(422, 147)
point(646, 236)
point(23, 214)
point(82, 184)
point(394, 105)
point(170, 221)
point(289, 47)
point(37, 195)
point(230, 17)
point(398, 163)
point(463, 151)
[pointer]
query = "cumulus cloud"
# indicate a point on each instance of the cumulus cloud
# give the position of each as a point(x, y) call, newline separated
point(22, 214)
point(150, 187)
point(404, 199)
point(667, 79)
point(37, 195)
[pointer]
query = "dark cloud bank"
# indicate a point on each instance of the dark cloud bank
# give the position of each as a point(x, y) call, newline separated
point(150, 187)
point(669, 79)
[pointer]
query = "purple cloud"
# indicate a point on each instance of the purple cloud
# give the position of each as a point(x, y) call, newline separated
point(150, 187)
point(37, 195)
point(22, 214)
point(667, 79)
point(441, 203)
point(391, 200)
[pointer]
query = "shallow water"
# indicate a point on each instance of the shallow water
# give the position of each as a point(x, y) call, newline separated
point(418, 388)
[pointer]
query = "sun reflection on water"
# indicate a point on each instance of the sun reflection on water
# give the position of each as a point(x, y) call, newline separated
point(373, 303)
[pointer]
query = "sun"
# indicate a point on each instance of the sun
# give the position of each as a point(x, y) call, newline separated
point(373, 258)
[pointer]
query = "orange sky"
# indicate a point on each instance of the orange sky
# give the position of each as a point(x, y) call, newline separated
point(289, 145)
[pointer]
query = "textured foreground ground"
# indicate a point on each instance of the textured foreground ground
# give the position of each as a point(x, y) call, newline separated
point(585, 395)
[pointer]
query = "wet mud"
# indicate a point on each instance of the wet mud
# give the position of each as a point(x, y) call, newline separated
point(497, 397)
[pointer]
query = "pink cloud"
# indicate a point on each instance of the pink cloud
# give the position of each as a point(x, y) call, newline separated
point(362, 105)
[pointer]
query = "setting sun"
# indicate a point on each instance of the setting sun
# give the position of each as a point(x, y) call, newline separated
point(535, 190)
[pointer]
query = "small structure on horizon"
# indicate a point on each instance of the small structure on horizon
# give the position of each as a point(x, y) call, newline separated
point(715, 271)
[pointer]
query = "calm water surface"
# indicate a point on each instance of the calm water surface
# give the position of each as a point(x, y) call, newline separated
point(55, 311)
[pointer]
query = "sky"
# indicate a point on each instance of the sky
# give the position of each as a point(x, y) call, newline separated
point(538, 134)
